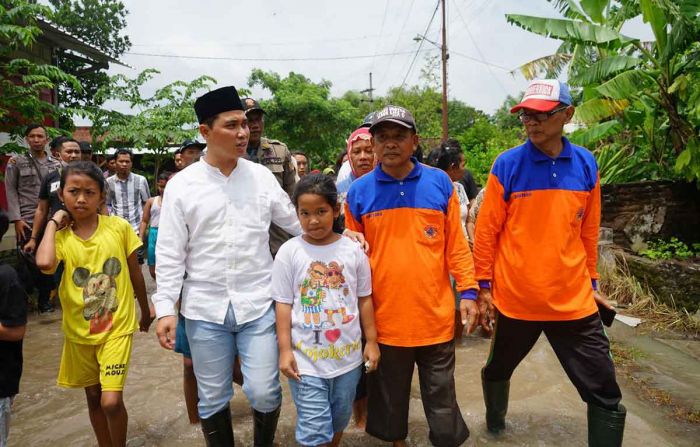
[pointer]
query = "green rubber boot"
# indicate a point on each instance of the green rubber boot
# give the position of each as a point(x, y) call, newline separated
point(606, 427)
point(217, 429)
point(496, 400)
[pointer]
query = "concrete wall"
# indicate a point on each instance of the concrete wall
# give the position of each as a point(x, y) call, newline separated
point(651, 210)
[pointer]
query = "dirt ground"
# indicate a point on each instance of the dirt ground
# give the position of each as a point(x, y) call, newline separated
point(545, 409)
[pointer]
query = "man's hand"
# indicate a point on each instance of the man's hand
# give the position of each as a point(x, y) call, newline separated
point(166, 329)
point(486, 310)
point(288, 365)
point(20, 228)
point(470, 314)
point(601, 299)
point(357, 237)
point(30, 246)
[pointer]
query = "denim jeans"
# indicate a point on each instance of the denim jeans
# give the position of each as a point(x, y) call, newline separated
point(324, 406)
point(214, 347)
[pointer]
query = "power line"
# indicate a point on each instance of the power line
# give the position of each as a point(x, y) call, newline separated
point(481, 55)
point(269, 59)
point(427, 28)
point(398, 39)
point(381, 33)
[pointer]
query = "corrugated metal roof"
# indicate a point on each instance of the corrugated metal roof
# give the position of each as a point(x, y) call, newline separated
point(65, 39)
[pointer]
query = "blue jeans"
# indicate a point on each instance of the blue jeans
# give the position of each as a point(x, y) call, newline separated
point(214, 347)
point(324, 406)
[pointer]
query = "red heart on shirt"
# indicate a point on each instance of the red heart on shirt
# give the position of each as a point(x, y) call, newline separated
point(332, 335)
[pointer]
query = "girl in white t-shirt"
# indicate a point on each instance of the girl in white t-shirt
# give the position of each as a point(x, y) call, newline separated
point(323, 288)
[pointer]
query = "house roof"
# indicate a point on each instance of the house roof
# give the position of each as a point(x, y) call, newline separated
point(65, 39)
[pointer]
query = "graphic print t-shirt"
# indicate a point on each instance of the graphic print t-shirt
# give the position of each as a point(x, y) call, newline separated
point(96, 291)
point(323, 283)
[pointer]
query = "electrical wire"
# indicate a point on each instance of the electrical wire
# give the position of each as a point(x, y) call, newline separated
point(268, 59)
point(481, 55)
point(396, 46)
point(427, 28)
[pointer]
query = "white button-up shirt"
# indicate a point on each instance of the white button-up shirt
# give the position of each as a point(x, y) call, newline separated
point(216, 228)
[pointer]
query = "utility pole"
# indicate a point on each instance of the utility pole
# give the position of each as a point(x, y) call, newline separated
point(444, 74)
point(369, 90)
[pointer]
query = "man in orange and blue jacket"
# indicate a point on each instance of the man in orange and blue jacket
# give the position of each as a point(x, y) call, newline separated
point(409, 214)
point(535, 258)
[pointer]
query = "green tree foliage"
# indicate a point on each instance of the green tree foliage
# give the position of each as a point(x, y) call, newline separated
point(22, 81)
point(303, 115)
point(156, 123)
point(639, 100)
point(100, 23)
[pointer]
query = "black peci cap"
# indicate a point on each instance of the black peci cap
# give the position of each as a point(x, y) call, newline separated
point(217, 101)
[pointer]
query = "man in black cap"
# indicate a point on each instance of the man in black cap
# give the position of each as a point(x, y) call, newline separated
point(410, 216)
point(190, 151)
point(221, 239)
point(275, 156)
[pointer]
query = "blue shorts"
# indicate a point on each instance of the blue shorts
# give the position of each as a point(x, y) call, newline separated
point(182, 345)
point(152, 238)
point(324, 406)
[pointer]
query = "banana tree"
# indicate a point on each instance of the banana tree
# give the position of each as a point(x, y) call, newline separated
point(620, 78)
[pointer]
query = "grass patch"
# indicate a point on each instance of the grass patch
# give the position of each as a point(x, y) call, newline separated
point(621, 286)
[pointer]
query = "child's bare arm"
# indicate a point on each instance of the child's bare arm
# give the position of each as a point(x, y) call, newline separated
point(288, 365)
point(140, 290)
point(46, 254)
point(371, 354)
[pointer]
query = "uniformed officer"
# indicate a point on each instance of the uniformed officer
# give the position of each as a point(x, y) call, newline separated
point(275, 156)
point(22, 182)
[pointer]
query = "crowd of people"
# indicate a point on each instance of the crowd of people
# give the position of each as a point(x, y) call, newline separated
point(265, 266)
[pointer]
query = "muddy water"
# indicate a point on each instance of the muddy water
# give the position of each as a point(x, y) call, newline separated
point(545, 409)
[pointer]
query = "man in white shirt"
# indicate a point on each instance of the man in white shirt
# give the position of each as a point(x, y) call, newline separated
point(221, 241)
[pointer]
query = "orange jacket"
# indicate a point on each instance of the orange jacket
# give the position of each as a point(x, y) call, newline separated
point(537, 233)
point(416, 239)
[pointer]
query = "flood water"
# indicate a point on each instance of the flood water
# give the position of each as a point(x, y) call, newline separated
point(545, 409)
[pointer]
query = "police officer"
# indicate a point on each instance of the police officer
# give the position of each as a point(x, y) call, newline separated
point(23, 179)
point(275, 156)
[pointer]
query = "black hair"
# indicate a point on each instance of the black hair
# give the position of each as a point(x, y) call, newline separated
point(111, 157)
point(164, 175)
point(418, 153)
point(447, 157)
point(34, 126)
point(433, 156)
point(83, 168)
point(210, 121)
point(65, 140)
point(56, 142)
point(319, 184)
point(123, 152)
point(85, 147)
point(4, 222)
point(301, 153)
point(451, 142)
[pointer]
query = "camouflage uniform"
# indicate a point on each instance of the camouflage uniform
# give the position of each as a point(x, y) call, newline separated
point(277, 158)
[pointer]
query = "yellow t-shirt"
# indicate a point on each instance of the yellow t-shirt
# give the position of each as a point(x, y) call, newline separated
point(96, 292)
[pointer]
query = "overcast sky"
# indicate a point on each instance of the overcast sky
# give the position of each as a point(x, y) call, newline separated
point(483, 47)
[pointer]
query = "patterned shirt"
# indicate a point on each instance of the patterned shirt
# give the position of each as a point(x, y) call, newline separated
point(125, 198)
